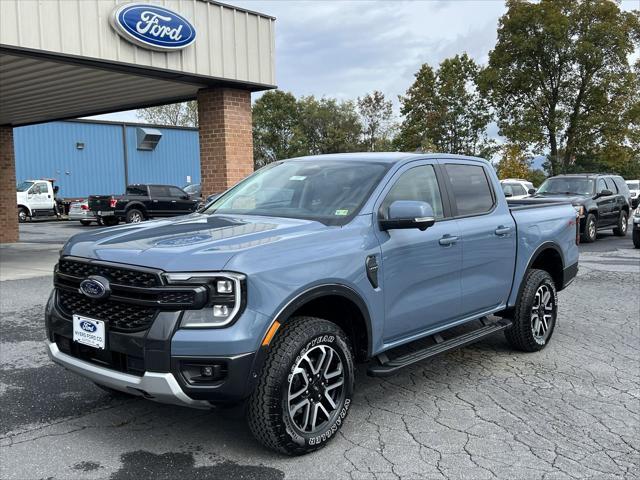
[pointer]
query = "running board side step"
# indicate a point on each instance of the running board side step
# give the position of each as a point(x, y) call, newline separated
point(387, 367)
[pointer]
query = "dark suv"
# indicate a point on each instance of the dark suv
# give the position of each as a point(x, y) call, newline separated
point(602, 200)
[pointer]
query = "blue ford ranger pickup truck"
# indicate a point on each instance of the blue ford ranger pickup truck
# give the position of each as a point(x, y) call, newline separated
point(273, 292)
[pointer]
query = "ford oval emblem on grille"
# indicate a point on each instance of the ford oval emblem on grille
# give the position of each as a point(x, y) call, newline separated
point(95, 287)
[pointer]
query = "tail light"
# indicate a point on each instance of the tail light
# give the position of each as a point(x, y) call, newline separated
point(113, 202)
point(577, 228)
point(84, 206)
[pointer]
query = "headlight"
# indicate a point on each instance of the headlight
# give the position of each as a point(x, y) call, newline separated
point(579, 209)
point(227, 297)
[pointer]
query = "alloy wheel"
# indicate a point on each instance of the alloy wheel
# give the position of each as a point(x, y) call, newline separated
point(316, 389)
point(592, 229)
point(136, 218)
point(542, 313)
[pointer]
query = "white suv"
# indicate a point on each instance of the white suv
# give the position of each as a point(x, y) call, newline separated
point(516, 188)
point(634, 189)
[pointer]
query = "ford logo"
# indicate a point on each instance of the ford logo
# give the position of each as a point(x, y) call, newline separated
point(152, 26)
point(88, 326)
point(95, 287)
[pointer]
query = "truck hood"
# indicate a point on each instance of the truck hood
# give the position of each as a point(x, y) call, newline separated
point(573, 198)
point(195, 242)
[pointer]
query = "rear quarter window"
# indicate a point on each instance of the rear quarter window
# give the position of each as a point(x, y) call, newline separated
point(472, 193)
point(621, 184)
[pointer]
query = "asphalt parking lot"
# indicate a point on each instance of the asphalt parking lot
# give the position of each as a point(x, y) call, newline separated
point(483, 412)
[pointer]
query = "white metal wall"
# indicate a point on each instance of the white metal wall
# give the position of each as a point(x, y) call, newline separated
point(230, 43)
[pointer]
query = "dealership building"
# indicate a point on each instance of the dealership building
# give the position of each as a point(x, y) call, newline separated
point(63, 59)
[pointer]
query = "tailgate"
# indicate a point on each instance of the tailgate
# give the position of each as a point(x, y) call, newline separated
point(100, 202)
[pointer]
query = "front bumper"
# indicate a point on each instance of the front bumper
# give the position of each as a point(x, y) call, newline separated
point(160, 387)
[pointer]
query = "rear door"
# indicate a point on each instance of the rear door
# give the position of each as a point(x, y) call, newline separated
point(606, 204)
point(487, 233)
point(181, 203)
point(420, 269)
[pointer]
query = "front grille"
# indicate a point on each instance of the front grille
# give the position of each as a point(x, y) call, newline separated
point(177, 297)
point(122, 276)
point(120, 316)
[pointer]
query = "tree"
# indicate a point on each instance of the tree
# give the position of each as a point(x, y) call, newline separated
point(514, 162)
point(444, 110)
point(559, 76)
point(178, 114)
point(376, 114)
point(276, 134)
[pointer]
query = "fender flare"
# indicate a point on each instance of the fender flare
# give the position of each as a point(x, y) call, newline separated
point(20, 205)
point(534, 256)
point(138, 206)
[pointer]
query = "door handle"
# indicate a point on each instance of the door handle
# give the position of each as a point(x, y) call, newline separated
point(447, 240)
point(173, 201)
point(155, 201)
point(502, 230)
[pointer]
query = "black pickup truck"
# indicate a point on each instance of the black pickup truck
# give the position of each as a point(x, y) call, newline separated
point(141, 202)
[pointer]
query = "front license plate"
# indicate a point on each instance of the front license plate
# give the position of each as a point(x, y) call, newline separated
point(88, 331)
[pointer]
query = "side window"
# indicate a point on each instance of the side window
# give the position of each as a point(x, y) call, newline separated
point(40, 188)
point(158, 191)
point(600, 185)
point(418, 183)
point(519, 190)
point(507, 188)
point(622, 187)
point(611, 185)
point(471, 190)
point(176, 192)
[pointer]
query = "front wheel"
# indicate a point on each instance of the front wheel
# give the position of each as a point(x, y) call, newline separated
point(623, 222)
point(535, 314)
point(590, 229)
point(306, 387)
point(636, 238)
point(23, 214)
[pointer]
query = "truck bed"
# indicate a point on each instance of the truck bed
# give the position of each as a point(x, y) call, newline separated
point(526, 203)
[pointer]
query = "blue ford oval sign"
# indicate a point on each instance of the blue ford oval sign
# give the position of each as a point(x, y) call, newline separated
point(95, 287)
point(152, 26)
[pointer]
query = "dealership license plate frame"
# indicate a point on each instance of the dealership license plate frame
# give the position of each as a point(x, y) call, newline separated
point(105, 214)
point(95, 340)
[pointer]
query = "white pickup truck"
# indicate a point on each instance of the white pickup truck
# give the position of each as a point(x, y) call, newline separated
point(35, 199)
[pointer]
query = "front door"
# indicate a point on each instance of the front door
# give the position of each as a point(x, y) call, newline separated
point(420, 269)
point(606, 205)
point(39, 197)
point(181, 204)
point(488, 237)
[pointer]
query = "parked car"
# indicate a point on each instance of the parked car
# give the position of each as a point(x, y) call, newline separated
point(80, 211)
point(281, 285)
point(517, 188)
point(601, 200)
point(141, 202)
point(634, 191)
point(35, 199)
point(636, 228)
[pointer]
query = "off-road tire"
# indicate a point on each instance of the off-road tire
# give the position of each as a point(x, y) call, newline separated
point(623, 223)
point(268, 409)
point(86, 223)
point(589, 235)
point(23, 215)
point(636, 238)
point(110, 221)
point(520, 336)
point(134, 216)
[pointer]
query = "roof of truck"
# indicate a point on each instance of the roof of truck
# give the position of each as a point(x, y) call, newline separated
point(385, 157)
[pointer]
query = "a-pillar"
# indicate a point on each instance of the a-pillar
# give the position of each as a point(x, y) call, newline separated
point(8, 212)
point(226, 139)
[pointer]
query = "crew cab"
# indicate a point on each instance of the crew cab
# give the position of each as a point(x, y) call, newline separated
point(35, 199)
point(274, 291)
point(141, 202)
point(601, 200)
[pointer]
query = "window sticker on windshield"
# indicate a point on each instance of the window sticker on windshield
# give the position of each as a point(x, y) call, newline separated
point(297, 178)
point(342, 213)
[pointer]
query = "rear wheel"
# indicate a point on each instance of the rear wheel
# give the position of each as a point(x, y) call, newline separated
point(590, 229)
point(134, 216)
point(306, 387)
point(535, 314)
point(23, 214)
point(85, 222)
point(623, 222)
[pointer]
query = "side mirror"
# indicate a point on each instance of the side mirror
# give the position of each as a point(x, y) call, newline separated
point(532, 191)
point(408, 214)
point(185, 197)
point(508, 194)
point(605, 193)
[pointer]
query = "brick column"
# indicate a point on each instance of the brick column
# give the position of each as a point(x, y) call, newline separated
point(8, 212)
point(226, 139)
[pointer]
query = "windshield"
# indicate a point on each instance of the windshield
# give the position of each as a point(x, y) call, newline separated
point(633, 185)
point(567, 186)
point(331, 192)
point(191, 189)
point(24, 186)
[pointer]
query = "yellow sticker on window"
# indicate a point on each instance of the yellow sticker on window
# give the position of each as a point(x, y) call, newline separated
point(342, 212)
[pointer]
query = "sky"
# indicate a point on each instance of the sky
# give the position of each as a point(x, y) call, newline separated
point(347, 48)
